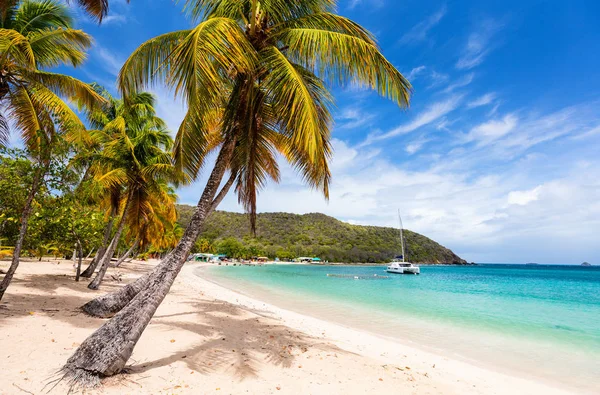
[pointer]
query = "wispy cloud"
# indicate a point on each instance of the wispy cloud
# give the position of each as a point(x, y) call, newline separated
point(420, 31)
point(594, 131)
point(478, 44)
point(415, 72)
point(115, 19)
point(461, 83)
point(512, 134)
point(523, 198)
point(484, 100)
point(430, 114)
point(493, 130)
point(109, 61)
point(437, 79)
point(416, 145)
point(354, 3)
point(353, 117)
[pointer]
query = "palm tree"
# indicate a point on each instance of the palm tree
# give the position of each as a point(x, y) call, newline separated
point(35, 35)
point(90, 145)
point(265, 64)
point(157, 228)
point(133, 161)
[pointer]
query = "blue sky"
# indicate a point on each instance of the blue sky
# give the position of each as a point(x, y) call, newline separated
point(497, 157)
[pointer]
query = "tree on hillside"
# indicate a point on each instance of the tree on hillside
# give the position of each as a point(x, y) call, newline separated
point(265, 63)
point(35, 35)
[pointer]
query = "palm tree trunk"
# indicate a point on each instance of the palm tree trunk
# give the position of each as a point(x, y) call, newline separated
point(129, 252)
point(105, 262)
point(87, 273)
point(80, 258)
point(90, 254)
point(35, 186)
point(107, 350)
point(108, 305)
point(221, 195)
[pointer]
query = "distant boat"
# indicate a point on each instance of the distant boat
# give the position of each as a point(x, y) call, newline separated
point(586, 264)
point(399, 265)
point(532, 263)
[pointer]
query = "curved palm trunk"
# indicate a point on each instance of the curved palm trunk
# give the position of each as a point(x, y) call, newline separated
point(107, 350)
point(35, 186)
point(100, 253)
point(128, 253)
point(108, 305)
point(110, 251)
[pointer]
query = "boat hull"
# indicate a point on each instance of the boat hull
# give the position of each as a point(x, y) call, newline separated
point(404, 270)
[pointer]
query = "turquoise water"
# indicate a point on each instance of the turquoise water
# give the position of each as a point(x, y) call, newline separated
point(545, 316)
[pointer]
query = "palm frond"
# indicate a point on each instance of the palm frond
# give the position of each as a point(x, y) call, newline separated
point(296, 101)
point(97, 9)
point(14, 46)
point(345, 59)
point(57, 46)
point(329, 22)
point(149, 63)
point(32, 16)
point(4, 131)
point(69, 87)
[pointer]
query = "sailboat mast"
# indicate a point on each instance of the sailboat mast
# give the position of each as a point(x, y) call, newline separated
point(401, 234)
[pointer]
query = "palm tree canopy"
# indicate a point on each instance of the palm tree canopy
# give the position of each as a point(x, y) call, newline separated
point(129, 158)
point(258, 72)
point(34, 35)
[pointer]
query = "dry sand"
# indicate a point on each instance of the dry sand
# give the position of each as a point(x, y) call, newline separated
point(205, 339)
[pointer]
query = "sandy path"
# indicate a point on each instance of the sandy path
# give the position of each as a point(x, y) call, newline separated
point(205, 339)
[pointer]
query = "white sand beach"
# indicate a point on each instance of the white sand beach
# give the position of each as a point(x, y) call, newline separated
point(208, 339)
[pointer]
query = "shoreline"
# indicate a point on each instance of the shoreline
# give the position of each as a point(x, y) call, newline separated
point(207, 339)
point(381, 347)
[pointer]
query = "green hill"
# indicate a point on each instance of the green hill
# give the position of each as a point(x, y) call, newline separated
point(287, 235)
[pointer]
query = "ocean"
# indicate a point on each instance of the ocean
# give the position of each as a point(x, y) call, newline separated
point(533, 320)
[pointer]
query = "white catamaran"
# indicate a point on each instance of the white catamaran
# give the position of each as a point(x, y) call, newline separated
point(401, 266)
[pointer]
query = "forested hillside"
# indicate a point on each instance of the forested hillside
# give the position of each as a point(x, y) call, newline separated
point(287, 235)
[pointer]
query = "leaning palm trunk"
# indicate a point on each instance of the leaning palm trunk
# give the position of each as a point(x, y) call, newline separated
point(110, 251)
point(108, 305)
point(80, 258)
point(100, 253)
point(129, 252)
point(107, 350)
point(35, 186)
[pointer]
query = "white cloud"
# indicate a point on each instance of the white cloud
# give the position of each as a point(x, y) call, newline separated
point(523, 198)
point(437, 79)
point(416, 145)
point(415, 72)
point(420, 31)
point(595, 131)
point(484, 100)
point(354, 3)
point(478, 44)
point(430, 114)
point(490, 131)
point(111, 62)
point(461, 83)
point(353, 117)
point(114, 19)
point(170, 110)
